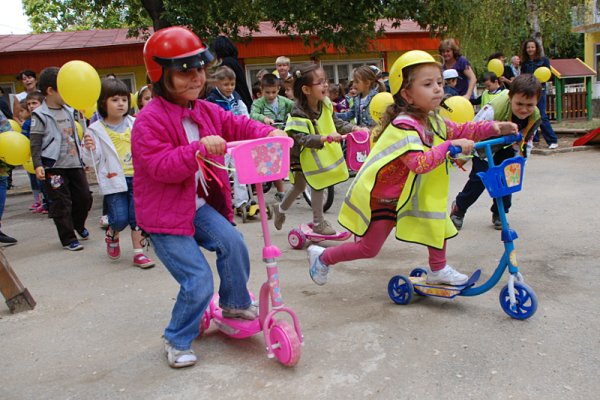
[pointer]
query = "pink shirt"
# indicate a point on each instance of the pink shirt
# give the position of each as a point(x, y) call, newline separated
point(392, 177)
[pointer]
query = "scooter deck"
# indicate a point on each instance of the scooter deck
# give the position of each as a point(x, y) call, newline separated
point(447, 291)
point(306, 229)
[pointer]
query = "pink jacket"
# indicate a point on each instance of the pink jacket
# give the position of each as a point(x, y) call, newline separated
point(165, 163)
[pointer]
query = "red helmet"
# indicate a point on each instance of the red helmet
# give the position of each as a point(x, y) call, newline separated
point(174, 47)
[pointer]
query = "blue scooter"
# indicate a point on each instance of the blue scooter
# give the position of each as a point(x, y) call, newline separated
point(516, 298)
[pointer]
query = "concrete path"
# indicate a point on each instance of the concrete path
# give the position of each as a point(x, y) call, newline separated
point(96, 332)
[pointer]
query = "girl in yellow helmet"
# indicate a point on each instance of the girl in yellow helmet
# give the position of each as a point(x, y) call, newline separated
point(403, 182)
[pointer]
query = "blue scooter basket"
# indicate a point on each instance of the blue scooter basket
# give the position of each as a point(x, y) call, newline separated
point(504, 179)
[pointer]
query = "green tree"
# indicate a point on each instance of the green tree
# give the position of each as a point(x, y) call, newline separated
point(482, 27)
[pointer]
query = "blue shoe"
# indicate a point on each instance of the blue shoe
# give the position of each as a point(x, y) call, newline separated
point(74, 246)
point(318, 271)
point(84, 234)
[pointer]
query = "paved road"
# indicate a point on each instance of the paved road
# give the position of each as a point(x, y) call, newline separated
point(96, 332)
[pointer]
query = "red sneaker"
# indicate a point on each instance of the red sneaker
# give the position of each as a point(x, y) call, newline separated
point(141, 261)
point(35, 205)
point(112, 246)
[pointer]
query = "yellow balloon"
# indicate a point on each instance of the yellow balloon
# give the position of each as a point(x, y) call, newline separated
point(89, 112)
point(379, 103)
point(14, 148)
point(133, 99)
point(543, 74)
point(457, 109)
point(79, 130)
point(14, 125)
point(78, 84)
point(496, 67)
point(28, 166)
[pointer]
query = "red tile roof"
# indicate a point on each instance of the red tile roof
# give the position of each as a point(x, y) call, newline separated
point(570, 68)
point(65, 40)
point(118, 37)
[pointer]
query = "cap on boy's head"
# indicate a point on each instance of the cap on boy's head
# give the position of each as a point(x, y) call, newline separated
point(450, 74)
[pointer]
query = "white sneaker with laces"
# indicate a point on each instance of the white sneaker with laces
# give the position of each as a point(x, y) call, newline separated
point(447, 276)
point(553, 146)
point(317, 270)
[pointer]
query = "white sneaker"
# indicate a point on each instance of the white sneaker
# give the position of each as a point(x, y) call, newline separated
point(179, 358)
point(447, 276)
point(553, 146)
point(318, 271)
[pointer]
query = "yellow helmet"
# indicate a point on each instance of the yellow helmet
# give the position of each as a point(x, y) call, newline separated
point(407, 59)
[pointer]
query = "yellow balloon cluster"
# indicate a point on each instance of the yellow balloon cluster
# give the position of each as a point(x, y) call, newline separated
point(543, 74)
point(379, 103)
point(457, 109)
point(14, 148)
point(14, 125)
point(79, 130)
point(28, 166)
point(496, 66)
point(78, 84)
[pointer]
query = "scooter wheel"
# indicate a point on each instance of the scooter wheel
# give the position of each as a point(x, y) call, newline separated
point(400, 289)
point(285, 343)
point(526, 301)
point(205, 322)
point(296, 239)
point(418, 272)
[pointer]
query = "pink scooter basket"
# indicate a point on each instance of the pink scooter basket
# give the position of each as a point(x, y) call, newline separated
point(357, 149)
point(262, 160)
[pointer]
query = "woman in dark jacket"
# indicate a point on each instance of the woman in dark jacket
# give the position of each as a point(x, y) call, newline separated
point(228, 54)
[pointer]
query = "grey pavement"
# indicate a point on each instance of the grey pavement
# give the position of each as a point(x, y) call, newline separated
point(96, 331)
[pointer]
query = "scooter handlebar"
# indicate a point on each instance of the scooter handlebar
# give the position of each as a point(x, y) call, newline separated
point(502, 140)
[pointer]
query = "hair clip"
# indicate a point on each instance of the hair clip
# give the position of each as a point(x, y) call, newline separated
point(298, 74)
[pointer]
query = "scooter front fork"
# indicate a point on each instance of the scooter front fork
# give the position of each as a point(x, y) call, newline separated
point(511, 286)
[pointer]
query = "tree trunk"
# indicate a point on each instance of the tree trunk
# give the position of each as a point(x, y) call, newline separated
point(533, 17)
point(155, 9)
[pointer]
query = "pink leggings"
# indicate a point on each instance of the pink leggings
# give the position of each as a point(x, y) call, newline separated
point(370, 244)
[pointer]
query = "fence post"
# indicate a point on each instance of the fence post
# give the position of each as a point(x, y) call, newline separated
point(588, 96)
point(559, 98)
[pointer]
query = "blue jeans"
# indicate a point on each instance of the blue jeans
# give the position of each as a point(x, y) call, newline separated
point(546, 126)
point(3, 188)
point(184, 260)
point(119, 207)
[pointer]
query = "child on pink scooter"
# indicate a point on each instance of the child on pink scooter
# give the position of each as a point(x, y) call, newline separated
point(178, 206)
point(316, 158)
point(403, 182)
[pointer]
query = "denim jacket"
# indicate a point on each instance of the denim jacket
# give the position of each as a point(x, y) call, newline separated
point(360, 111)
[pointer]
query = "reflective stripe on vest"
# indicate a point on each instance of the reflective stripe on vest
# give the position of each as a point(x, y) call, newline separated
point(321, 167)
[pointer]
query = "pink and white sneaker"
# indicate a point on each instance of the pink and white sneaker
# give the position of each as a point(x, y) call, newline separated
point(112, 246)
point(141, 261)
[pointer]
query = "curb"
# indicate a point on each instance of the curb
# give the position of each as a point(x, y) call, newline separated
point(548, 152)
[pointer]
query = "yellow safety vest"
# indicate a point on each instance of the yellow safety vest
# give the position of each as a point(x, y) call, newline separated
point(321, 167)
point(422, 215)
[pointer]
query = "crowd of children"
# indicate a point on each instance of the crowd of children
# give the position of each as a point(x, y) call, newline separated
point(191, 109)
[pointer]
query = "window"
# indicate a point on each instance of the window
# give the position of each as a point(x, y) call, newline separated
point(597, 60)
point(129, 80)
point(8, 88)
point(341, 72)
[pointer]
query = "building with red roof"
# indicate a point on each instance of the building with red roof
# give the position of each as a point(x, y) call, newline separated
point(111, 51)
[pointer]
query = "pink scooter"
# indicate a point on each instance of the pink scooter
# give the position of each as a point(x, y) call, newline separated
point(258, 161)
point(357, 149)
